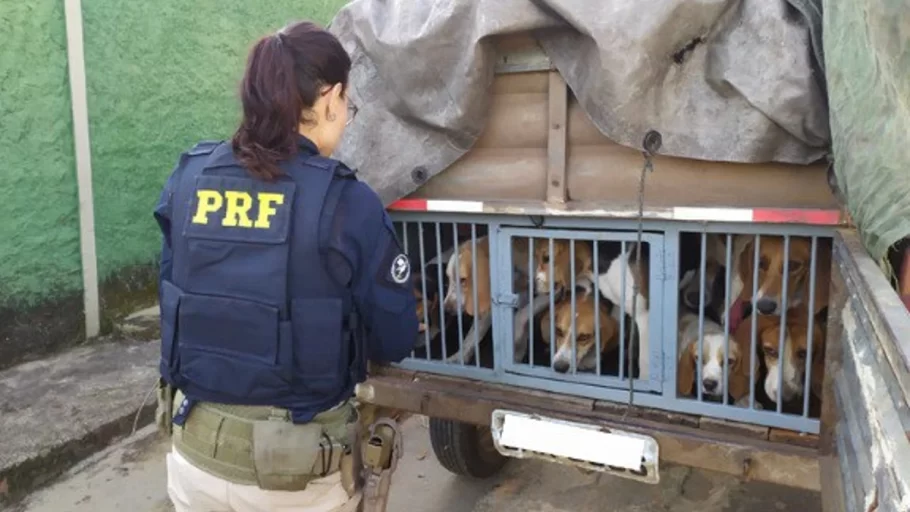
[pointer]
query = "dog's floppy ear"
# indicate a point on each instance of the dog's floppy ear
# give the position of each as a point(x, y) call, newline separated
point(740, 379)
point(745, 246)
point(743, 334)
point(545, 327)
point(609, 330)
point(432, 286)
point(421, 282)
point(685, 372)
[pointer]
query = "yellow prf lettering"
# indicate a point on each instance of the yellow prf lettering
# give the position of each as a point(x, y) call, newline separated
point(210, 201)
point(238, 208)
point(266, 211)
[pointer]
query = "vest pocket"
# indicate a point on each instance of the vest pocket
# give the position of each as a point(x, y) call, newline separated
point(233, 348)
point(170, 302)
point(321, 354)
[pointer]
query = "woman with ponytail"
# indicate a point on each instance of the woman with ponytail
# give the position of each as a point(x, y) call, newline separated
point(280, 279)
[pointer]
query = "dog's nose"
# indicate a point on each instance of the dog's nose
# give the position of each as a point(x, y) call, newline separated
point(766, 306)
point(710, 385)
point(561, 366)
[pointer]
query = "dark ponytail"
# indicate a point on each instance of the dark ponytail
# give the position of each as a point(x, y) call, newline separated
point(283, 78)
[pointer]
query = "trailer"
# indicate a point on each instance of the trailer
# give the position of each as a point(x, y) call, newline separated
point(501, 375)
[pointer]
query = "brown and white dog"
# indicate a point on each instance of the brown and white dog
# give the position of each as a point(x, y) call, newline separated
point(561, 266)
point(736, 358)
point(690, 283)
point(616, 270)
point(587, 312)
point(469, 287)
point(462, 275)
point(792, 361)
point(612, 264)
point(772, 263)
point(769, 291)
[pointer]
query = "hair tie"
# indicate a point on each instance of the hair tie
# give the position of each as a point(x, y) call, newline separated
point(282, 34)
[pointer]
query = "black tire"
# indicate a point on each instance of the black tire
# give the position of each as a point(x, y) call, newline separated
point(464, 449)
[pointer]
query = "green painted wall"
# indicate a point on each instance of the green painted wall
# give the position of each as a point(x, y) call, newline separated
point(161, 76)
point(39, 234)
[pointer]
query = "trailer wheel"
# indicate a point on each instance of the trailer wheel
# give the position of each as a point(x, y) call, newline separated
point(464, 449)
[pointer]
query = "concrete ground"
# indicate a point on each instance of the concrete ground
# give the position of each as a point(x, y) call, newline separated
point(59, 410)
point(131, 476)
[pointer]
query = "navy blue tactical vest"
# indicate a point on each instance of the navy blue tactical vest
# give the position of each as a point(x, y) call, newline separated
point(251, 316)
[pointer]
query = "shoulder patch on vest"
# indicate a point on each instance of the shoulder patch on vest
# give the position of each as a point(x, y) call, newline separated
point(401, 269)
point(204, 148)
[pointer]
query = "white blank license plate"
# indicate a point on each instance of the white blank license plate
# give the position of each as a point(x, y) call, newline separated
point(589, 447)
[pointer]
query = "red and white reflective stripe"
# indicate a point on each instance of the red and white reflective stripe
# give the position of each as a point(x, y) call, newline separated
point(683, 213)
point(817, 217)
point(760, 215)
point(437, 205)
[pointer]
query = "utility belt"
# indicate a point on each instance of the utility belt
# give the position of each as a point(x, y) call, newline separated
point(260, 446)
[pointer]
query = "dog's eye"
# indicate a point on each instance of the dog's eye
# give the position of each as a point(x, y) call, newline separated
point(795, 266)
point(545, 259)
point(801, 354)
point(584, 337)
point(731, 361)
point(764, 264)
point(463, 281)
point(560, 332)
point(771, 352)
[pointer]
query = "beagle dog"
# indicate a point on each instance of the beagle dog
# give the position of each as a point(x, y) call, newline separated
point(462, 275)
point(714, 280)
point(792, 361)
point(737, 358)
point(561, 265)
point(618, 272)
point(615, 268)
point(584, 338)
point(469, 289)
point(772, 263)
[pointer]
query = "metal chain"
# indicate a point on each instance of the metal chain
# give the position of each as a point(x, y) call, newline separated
point(650, 145)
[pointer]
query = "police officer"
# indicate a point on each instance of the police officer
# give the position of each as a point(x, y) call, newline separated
point(281, 276)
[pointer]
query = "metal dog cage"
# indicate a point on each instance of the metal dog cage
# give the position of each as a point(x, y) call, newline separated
point(492, 327)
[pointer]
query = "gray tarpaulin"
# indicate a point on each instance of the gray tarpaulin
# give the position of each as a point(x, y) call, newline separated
point(724, 80)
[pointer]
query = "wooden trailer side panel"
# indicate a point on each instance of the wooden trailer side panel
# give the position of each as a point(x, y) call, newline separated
point(865, 448)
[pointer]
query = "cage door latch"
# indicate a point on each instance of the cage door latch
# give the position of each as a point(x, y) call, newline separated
point(506, 299)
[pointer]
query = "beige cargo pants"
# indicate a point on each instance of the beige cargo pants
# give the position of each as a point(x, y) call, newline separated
point(194, 490)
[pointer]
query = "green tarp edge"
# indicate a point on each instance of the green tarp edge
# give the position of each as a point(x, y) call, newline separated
point(867, 61)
